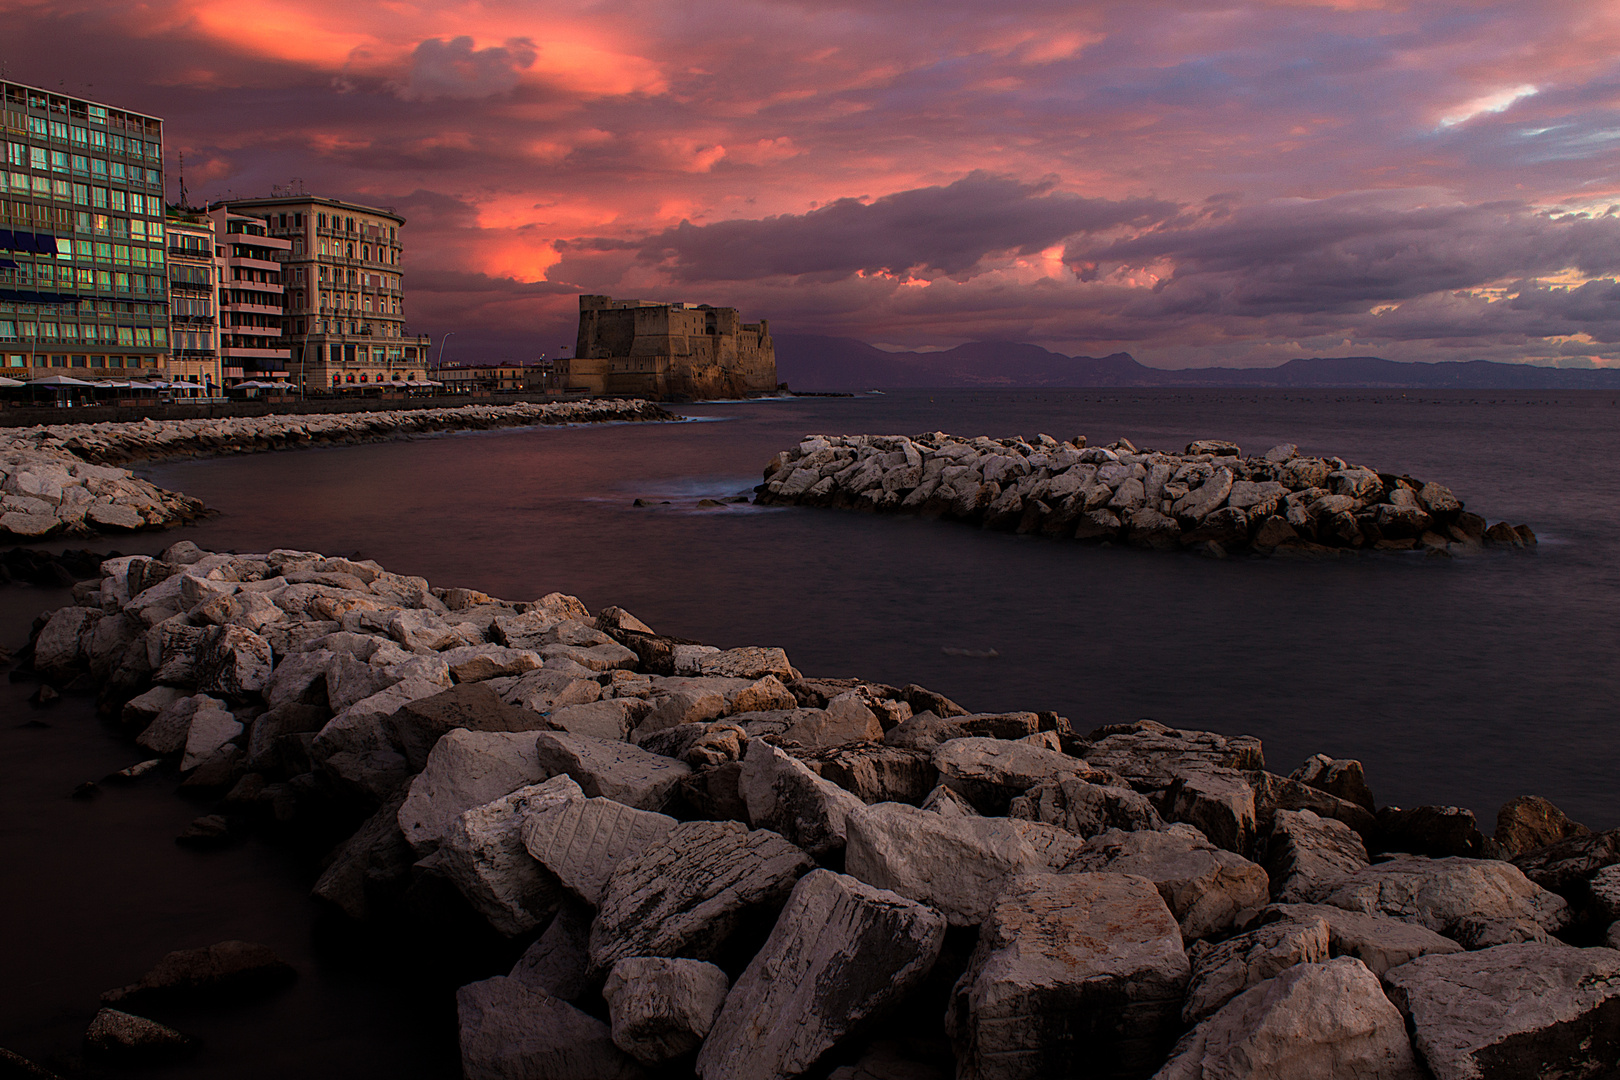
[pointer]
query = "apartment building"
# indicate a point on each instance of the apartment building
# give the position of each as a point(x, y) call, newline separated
point(510, 376)
point(344, 276)
point(83, 279)
point(194, 359)
point(250, 265)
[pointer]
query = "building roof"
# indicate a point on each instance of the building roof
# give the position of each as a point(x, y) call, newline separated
point(314, 200)
point(61, 93)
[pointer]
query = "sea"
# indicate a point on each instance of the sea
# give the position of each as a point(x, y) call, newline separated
point(1460, 681)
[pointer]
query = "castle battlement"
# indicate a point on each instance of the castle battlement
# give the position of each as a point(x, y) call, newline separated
point(669, 351)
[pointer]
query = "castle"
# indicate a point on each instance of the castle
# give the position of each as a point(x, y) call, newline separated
point(669, 351)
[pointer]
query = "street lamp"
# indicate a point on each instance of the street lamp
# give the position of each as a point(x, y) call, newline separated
point(442, 340)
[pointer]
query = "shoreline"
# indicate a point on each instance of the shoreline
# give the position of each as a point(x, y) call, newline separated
point(836, 770)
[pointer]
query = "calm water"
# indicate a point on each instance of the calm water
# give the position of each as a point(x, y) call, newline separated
point(1461, 682)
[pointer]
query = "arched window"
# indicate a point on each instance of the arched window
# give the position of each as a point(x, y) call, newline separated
point(337, 380)
point(351, 377)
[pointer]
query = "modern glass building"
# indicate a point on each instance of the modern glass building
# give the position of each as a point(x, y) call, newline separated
point(83, 278)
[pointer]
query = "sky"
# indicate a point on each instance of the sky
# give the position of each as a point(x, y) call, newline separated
point(1195, 183)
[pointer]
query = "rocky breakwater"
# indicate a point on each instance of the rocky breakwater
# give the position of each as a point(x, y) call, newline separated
point(1210, 497)
point(48, 491)
point(149, 440)
point(715, 865)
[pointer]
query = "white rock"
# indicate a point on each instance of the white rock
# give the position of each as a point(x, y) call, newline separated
point(612, 770)
point(482, 853)
point(783, 795)
point(582, 840)
point(465, 769)
point(662, 1008)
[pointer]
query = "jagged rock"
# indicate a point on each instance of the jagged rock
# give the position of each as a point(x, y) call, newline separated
point(512, 1032)
point(1150, 755)
point(1073, 974)
point(232, 661)
point(1435, 831)
point(689, 894)
point(548, 689)
point(206, 833)
point(925, 730)
point(1306, 854)
point(1222, 971)
point(474, 663)
point(555, 964)
point(58, 650)
point(604, 656)
point(1273, 793)
point(141, 710)
point(840, 952)
point(211, 728)
point(1605, 893)
point(1220, 803)
point(1469, 900)
point(1529, 822)
point(891, 1060)
point(1311, 1021)
point(749, 662)
point(418, 725)
point(1204, 886)
point(942, 800)
point(482, 854)
point(466, 769)
point(846, 719)
point(580, 841)
point(1085, 808)
point(1512, 1011)
point(990, 773)
point(1378, 941)
point(783, 795)
point(368, 864)
point(1563, 867)
point(135, 1038)
point(958, 865)
point(612, 770)
point(167, 733)
point(356, 746)
point(273, 743)
point(610, 718)
point(230, 969)
point(876, 773)
point(1342, 777)
point(663, 1008)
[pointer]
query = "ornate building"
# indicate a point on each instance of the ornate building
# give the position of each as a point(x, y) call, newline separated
point(668, 351)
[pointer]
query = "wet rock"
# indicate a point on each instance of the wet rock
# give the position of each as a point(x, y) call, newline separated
point(1073, 973)
point(1469, 900)
point(958, 865)
point(482, 854)
point(612, 770)
point(1530, 822)
point(1220, 803)
point(990, 773)
point(581, 841)
point(1343, 777)
point(136, 1039)
point(58, 650)
point(509, 1031)
point(690, 893)
point(228, 970)
point(1205, 886)
point(1306, 854)
point(1512, 1011)
point(1313, 1020)
point(840, 952)
point(1222, 971)
point(1378, 941)
point(783, 795)
point(466, 769)
point(1085, 808)
point(662, 1008)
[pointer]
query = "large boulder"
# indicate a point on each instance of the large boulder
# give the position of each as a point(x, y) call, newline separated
point(482, 854)
point(1513, 1011)
point(1530, 822)
point(663, 1008)
point(555, 964)
point(1565, 866)
point(1206, 887)
point(58, 650)
point(1085, 808)
point(926, 730)
point(368, 865)
point(1341, 777)
point(119, 1035)
point(687, 895)
point(958, 865)
point(464, 770)
point(419, 724)
point(1378, 941)
point(875, 773)
point(1073, 975)
point(612, 770)
point(748, 662)
point(1150, 755)
point(840, 952)
point(1477, 902)
point(233, 661)
point(211, 729)
point(1305, 854)
point(1435, 831)
point(510, 1031)
point(582, 840)
point(990, 773)
point(223, 971)
point(783, 795)
point(1222, 971)
point(1312, 1021)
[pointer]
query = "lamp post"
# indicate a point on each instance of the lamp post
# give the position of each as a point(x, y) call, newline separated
point(439, 367)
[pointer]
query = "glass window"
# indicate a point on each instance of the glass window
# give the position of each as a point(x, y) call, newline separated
point(98, 197)
point(117, 168)
point(41, 186)
point(81, 163)
point(126, 335)
point(81, 135)
point(98, 115)
point(98, 139)
point(59, 130)
point(37, 158)
point(81, 195)
point(119, 199)
point(59, 161)
point(36, 125)
point(117, 143)
point(62, 189)
point(98, 167)
point(143, 337)
point(17, 154)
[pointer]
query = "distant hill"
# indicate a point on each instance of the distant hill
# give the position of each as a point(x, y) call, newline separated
point(811, 362)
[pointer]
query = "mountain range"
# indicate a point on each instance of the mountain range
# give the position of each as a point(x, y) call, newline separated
point(813, 362)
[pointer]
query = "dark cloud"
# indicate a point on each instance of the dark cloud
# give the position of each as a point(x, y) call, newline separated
point(454, 69)
point(945, 230)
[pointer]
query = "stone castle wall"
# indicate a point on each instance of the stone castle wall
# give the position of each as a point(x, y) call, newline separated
point(669, 351)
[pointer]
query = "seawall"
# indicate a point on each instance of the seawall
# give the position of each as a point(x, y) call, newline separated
point(1210, 497)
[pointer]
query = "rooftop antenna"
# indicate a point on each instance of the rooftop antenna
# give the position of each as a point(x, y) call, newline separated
point(184, 201)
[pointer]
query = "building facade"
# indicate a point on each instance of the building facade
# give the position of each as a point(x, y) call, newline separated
point(194, 359)
point(668, 351)
point(509, 376)
point(343, 273)
point(83, 278)
point(249, 263)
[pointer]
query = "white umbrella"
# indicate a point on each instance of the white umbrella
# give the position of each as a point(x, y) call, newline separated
point(11, 382)
point(60, 380)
